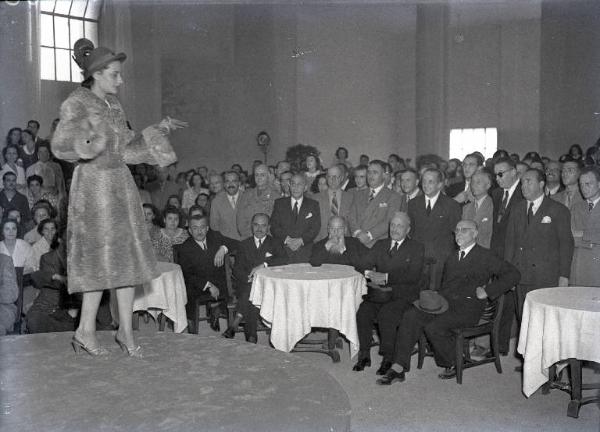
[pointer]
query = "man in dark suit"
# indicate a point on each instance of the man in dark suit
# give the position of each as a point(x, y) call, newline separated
point(201, 259)
point(539, 241)
point(465, 287)
point(399, 264)
point(373, 207)
point(255, 252)
point(505, 198)
point(338, 248)
point(434, 217)
point(296, 221)
point(408, 180)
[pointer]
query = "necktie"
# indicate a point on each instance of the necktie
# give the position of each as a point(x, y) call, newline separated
point(259, 243)
point(295, 211)
point(334, 205)
point(428, 209)
point(462, 255)
point(590, 206)
point(232, 200)
point(476, 205)
point(530, 213)
point(372, 195)
point(394, 247)
point(569, 198)
point(203, 245)
point(502, 209)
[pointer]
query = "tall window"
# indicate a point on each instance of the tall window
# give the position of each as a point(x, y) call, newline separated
point(465, 141)
point(62, 22)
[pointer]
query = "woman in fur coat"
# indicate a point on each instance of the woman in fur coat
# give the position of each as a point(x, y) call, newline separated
point(108, 243)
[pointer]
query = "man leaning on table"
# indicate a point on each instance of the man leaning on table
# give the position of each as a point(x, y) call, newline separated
point(253, 253)
point(399, 264)
point(470, 276)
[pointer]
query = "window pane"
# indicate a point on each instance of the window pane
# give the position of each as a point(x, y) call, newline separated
point(63, 7)
point(78, 8)
point(61, 32)
point(91, 32)
point(76, 30)
point(46, 30)
point(47, 5)
point(93, 9)
point(76, 75)
point(63, 65)
point(47, 63)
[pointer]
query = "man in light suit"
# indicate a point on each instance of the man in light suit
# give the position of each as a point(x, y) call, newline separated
point(334, 201)
point(296, 221)
point(571, 169)
point(434, 217)
point(255, 252)
point(224, 207)
point(373, 208)
point(539, 241)
point(481, 209)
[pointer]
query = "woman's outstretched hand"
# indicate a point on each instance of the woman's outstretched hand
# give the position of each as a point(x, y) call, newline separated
point(168, 124)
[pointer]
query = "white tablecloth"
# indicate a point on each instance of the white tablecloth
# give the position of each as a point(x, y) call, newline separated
point(294, 298)
point(164, 294)
point(558, 324)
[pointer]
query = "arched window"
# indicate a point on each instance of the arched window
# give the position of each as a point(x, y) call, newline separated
point(62, 22)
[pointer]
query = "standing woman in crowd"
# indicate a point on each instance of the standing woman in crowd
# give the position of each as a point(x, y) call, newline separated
point(341, 157)
point(10, 154)
point(195, 189)
point(108, 243)
point(13, 137)
point(28, 154)
point(313, 168)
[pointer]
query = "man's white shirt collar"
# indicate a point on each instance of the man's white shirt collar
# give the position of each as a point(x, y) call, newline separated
point(511, 190)
point(299, 201)
point(432, 200)
point(466, 250)
point(377, 189)
point(536, 203)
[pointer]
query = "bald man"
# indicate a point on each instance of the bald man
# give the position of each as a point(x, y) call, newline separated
point(296, 221)
point(338, 248)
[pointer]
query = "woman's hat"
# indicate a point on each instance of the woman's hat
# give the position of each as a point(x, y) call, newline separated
point(90, 59)
point(431, 302)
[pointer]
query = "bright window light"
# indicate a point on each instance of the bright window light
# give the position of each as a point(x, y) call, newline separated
point(465, 141)
point(62, 22)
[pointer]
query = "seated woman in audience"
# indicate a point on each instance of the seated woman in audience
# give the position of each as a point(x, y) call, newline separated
point(313, 168)
point(19, 250)
point(13, 137)
point(171, 234)
point(319, 184)
point(10, 153)
point(191, 193)
point(40, 212)
point(49, 171)
point(15, 215)
point(203, 200)
point(152, 219)
point(35, 192)
point(181, 183)
point(144, 194)
point(9, 293)
point(173, 201)
point(47, 230)
point(576, 152)
point(28, 152)
point(50, 311)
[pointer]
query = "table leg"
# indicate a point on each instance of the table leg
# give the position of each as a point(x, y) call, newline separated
point(575, 404)
point(326, 346)
point(551, 380)
point(332, 338)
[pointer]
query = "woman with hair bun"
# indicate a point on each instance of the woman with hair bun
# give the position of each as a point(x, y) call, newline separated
point(108, 243)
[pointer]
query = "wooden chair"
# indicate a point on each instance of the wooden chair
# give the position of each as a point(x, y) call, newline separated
point(489, 324)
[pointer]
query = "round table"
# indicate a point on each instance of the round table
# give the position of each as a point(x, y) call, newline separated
point(295, 298)
point(183, 383)
point(559, 324)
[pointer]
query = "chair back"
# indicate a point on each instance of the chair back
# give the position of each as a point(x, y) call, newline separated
point(229, 278)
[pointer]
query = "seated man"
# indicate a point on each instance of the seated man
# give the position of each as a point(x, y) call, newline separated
point(399, 265)
point(255, 252)
point(337, 248)
point(201, 259)
point(296, 221)
point(465, 288)
point(9, 292)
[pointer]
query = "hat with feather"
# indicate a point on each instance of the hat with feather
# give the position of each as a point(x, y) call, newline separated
point(91, 59)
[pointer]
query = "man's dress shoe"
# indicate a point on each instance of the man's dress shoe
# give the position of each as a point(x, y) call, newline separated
point(384, 367)
point(361, 364)
point(214, 321)
point(449, 373)
point(251, 339)
point(390, 377)
point(229, 333)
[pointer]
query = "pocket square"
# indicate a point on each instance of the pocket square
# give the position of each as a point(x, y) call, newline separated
point(484, 220)
point(308, 216)
point(268, 255)
point(383, 205)
point(546, 219)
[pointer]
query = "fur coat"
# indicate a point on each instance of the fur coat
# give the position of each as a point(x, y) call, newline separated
point(107, 239)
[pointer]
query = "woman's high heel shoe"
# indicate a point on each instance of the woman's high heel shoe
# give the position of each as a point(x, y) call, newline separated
point(78, 346)
point(131, 352)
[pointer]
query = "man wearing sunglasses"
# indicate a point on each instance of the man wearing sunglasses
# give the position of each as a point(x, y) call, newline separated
point(505, 197)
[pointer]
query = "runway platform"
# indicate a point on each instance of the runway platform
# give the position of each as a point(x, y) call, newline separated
point(184, 383)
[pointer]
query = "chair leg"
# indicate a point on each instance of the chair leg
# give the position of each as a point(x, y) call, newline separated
point(135, 321)
point(460, 342)
point(422, 351)
point(161, 322)
point(495, 347)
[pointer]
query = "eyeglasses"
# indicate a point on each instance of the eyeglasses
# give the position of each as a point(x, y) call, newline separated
point(500, 174)
point(462, 230)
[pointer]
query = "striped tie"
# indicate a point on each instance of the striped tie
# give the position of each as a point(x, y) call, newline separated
point(334, 205)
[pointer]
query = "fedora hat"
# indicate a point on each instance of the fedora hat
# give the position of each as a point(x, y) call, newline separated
point(431, 302)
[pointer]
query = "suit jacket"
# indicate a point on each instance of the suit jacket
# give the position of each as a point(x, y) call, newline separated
point(19, 202)
point(305, 226)
point(455, 188)
point(484, 217)
point(436, 230)
point(543, 249)
point(223, 215)
point(248, 256)
point(404, 201)
point(373, 216)
point(585, 225)
point(501, 221)
point(480, 267)
point(562, 196)
point(198, 265)
point(404, 266)
point(352, 256)
point(345, 200)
